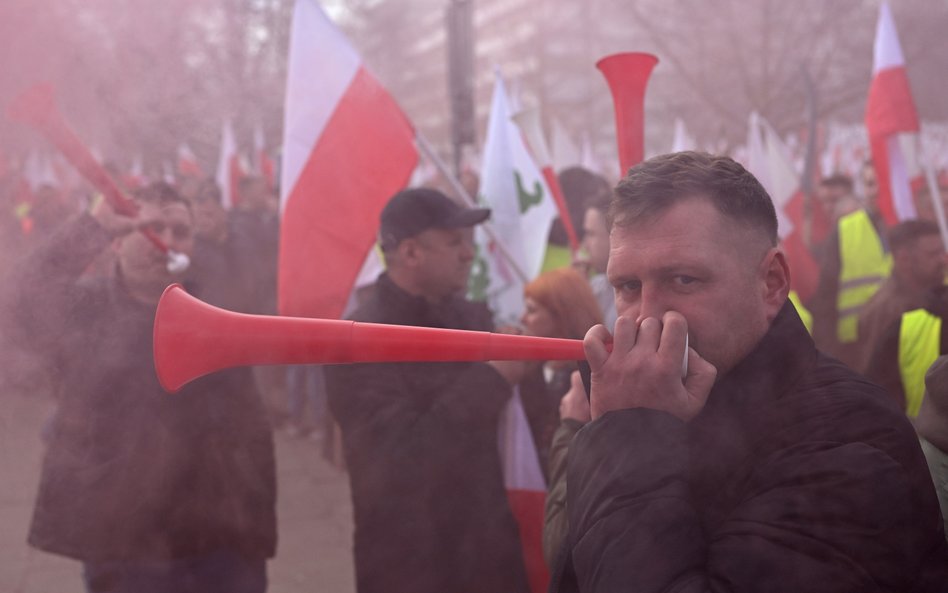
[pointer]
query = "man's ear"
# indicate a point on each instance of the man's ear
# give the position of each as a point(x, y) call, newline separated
point(775, 272)
point(408, 251)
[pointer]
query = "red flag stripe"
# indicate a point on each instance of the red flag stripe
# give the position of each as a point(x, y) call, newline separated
point(527, 508)
point(364, 155)
point(890, 107)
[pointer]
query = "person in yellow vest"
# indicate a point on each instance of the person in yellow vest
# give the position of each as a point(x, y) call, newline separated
point(855, 263)
point(918, 256)
point(908, 349)
point(596, 250)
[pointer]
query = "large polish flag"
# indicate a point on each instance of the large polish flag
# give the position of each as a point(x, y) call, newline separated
point(347, 148)
point(890, 111)
point(771, 162)
point(526, 488)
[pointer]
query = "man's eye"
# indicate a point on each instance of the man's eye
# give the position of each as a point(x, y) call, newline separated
point(631, 286)
point(685, 280)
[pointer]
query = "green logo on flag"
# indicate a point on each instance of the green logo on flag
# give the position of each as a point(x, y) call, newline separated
point(528, 199)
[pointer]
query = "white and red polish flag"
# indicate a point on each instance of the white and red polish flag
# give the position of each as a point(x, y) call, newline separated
point(230, 169)
point(347, 148)
point(187, 163)
point(890, 111)
point(526, 488)
point(263, 163)
point(769, 159)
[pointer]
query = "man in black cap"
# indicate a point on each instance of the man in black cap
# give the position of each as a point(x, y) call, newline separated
point(420, 439)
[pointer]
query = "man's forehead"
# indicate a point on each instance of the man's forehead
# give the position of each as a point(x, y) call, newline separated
point(691, 232)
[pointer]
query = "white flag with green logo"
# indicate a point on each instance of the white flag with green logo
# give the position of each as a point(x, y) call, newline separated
point(522, 210)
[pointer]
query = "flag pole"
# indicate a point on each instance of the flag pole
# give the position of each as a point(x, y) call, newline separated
point(933, 192)
point(426, 149)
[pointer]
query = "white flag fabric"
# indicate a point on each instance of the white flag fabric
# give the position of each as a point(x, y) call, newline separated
point(228, 166)
point(682, 139)
point(522, 211)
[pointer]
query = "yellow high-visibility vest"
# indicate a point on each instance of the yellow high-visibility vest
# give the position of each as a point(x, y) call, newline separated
point(805, 316)
point(919, 346)
point(556, 257)
point(864, 266)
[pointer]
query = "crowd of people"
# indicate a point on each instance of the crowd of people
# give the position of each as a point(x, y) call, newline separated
point(773, 461)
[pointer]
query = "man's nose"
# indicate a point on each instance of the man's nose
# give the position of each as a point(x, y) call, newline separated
point(651, 304)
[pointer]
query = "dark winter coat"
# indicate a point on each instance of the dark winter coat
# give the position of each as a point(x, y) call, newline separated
point(132, 471)
point(798, 475)
point(420, 440)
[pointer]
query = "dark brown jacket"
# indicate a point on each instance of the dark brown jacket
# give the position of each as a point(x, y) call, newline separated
point(420, 440)
point(131, 471)
point(798, 475)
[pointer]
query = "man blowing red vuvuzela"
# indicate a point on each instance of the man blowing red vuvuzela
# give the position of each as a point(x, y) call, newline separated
point(769, 467)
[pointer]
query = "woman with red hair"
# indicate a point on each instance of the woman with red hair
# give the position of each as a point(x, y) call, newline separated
point(558, 304)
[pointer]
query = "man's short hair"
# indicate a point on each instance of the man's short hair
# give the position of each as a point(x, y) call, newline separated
point(840, 180)
point(602, 203)
point(907, 233)
point(652, 187)
point(579, 185)
point(161, 194)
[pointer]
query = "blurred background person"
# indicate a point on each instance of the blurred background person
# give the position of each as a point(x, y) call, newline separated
point(580, 186)
point(837, 196)
point(918, 269)
point(855, 261)
point(596, 250)
point(151, 493)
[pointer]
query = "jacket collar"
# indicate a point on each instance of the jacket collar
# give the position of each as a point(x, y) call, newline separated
point(741, 407)
point(772, 368)
point(408, 309)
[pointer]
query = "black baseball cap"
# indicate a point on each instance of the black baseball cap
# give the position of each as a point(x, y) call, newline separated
point(412, 211)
